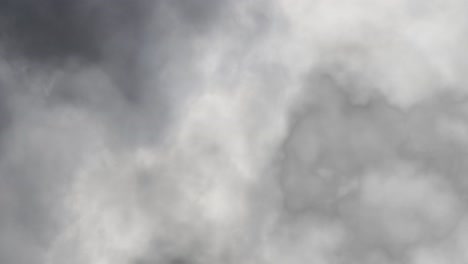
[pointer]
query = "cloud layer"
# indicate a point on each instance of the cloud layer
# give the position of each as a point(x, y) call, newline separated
point(170, 132)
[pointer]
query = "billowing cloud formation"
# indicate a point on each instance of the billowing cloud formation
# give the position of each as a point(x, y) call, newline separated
point(154, 132)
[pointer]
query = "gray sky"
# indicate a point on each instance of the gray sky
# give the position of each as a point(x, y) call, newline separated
point(246, 132)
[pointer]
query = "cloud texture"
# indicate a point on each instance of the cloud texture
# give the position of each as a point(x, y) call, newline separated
point(247, 132)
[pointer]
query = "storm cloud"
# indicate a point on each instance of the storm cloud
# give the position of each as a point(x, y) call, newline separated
point(260, 132)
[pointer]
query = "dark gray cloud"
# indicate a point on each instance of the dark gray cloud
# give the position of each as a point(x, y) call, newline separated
point(65, 64)
point(60, 29)
point(57, 33)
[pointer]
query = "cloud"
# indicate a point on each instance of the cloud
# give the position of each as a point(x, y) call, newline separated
point(231, 132)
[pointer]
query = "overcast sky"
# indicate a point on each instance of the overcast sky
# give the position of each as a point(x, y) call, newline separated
point(233, 131)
